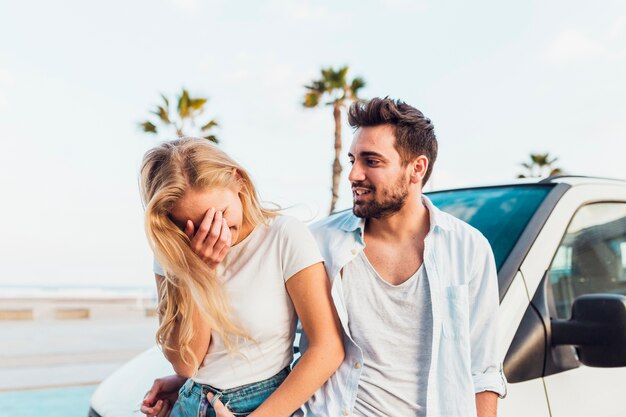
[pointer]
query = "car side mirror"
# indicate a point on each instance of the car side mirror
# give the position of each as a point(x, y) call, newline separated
point(597, 329)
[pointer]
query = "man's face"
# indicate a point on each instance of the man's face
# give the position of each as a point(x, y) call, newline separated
point(380, 182)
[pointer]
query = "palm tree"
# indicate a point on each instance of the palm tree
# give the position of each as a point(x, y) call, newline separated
point(338, 92)
point(188, 109)
point(540, 165)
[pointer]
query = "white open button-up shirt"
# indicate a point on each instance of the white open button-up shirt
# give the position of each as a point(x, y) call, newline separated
point(464, 293)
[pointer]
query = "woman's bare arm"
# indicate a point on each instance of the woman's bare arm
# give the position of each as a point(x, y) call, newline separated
point(199, 344)
point(309, 290)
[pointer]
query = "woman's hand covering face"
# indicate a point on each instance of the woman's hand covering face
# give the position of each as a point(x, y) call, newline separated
point(212, 240)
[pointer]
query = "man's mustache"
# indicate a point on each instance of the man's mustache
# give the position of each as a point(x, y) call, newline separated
point(363, 185)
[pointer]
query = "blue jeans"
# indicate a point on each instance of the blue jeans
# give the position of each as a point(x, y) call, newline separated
point(241, 401)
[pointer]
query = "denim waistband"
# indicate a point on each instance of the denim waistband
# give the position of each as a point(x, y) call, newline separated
point(202, 389)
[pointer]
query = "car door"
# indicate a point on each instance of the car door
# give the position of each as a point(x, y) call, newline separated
point(585, 245)
point(521, 333)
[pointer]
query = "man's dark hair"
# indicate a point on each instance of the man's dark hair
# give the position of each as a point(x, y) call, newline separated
point(415, 134)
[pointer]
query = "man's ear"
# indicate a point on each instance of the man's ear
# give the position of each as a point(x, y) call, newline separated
point(418, 167)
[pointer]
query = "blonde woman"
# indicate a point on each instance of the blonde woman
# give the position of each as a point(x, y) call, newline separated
point(232, 279)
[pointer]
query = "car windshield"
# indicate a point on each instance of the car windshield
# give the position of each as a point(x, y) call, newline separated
point(500, 213)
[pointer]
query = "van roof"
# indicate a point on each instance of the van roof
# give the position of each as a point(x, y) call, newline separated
point(572, 180)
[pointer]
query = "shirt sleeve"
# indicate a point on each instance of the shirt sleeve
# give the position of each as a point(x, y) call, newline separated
point(156, 267)
point(483, 291)
point(298, 248)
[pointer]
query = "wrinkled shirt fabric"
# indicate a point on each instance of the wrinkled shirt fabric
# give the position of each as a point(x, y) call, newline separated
point(463, 285)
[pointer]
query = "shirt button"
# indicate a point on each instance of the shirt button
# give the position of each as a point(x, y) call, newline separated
point(357, 365)
point(354, 251)
point(346, 412)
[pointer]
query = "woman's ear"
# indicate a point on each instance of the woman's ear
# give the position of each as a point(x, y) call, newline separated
point(238, 178)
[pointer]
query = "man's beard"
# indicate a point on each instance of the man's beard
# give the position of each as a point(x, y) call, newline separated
point(391, 201)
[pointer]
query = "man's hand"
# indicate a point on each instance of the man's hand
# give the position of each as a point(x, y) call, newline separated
point(220, 409)
point(159, 400)
point(212, 240)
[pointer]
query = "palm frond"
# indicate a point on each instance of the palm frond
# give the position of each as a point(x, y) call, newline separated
point(539, 165)
point(183, 104)
point(342, 73)
point(184, 118)
point(209, 125)
point(335, 79)
point(148, 127)
point(355, 86)
point(550, 161)
point(311, 99)
point(333, 87)
point(327, 73)
point(197, 103)
point(317, 86)
point(162, 114)
point(538, 159)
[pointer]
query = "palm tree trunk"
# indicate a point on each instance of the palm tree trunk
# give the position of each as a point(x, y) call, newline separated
point(336, 162)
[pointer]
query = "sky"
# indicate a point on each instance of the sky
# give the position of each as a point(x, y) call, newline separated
point(498, 79)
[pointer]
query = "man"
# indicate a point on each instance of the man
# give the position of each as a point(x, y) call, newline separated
point(415, 288)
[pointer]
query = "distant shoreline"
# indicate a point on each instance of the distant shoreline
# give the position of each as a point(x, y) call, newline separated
point(70, 293)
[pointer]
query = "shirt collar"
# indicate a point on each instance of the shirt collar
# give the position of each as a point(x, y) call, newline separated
point(438, 219)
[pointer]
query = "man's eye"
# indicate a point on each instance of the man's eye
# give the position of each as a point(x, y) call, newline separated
point(351, 161)
point(372, 162)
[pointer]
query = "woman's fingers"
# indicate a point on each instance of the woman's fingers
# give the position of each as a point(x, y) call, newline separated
point(226, 240)
point(203, 231)
point(229, 242)
point(212, 239)
point(189, 230)
point(222, 241)
point(220, 409)
point(214, 231)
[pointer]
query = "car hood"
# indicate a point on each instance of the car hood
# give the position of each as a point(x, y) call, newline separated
point(120, 394)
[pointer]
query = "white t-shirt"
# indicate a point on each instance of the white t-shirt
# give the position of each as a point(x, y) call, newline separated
point(254, 273)
point(393, 326)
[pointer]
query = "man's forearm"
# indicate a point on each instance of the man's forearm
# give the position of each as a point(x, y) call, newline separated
point(487, 404)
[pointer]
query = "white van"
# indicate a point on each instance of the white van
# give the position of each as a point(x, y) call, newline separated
point(560, 249)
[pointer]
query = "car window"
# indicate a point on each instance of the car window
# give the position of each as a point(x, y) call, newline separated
point(591, 258)
point(500, 213)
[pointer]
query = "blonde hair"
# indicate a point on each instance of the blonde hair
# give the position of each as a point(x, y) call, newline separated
point(167, 172)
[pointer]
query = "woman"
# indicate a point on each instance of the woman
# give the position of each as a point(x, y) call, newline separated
point(231, 277)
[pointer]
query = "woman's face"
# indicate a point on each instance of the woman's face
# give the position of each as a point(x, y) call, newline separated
point(195, 205)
